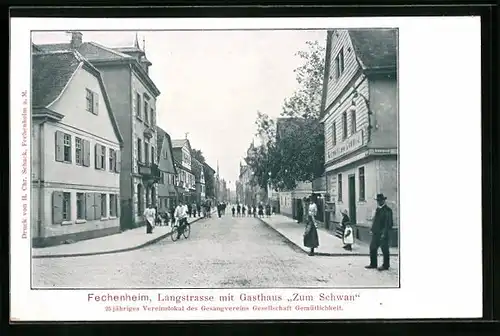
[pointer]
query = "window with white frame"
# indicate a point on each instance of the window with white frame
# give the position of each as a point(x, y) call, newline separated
point(80, 205)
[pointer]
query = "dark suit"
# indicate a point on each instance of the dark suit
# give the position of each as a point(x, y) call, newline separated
point(382, 224)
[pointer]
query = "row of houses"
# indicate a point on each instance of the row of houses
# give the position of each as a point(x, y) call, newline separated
point(359, 114)
point(98, 156)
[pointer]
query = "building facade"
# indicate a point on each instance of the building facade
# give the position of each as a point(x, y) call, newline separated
point(132, 94)
point(360, 116)
point(186, 185)
point(199, 178)
point(167, 192)
point(76, 151)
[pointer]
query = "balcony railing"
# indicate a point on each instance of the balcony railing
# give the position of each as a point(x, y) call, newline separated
point(149, 171)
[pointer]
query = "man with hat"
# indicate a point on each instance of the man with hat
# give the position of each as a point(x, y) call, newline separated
point(382, 224)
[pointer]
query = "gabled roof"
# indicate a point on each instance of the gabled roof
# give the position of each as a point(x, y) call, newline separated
point(375, 48)
point(51, 74)
point(97, 53)
point(163, 138)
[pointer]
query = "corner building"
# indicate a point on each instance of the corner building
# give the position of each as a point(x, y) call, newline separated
point(360, 116)
point(132, 94)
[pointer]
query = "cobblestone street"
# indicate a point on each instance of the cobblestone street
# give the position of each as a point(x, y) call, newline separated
point(226, 252)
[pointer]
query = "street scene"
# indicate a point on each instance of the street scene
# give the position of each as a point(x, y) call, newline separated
point(215, 159)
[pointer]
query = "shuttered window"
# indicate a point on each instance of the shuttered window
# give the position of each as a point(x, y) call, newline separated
point(89, 100)
point(86, 153)
point(63, 147)
point(104, 206)
point(89, 207)
point(100, 156)
point(92, 101)
point(112, 160)
point(78, 151)
point(80, 206)
point(113, 205)
point(118, 161)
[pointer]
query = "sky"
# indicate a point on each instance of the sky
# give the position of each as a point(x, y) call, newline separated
point(213, 83)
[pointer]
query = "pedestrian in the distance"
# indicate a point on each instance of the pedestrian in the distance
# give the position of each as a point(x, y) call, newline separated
point(382, 224)
point(198, 209)
point(243, 209)
point(219, 210)
point(233, 210)
point(347, 232)
point(249, 211)
point(172, 217)
point(261, 210)
point(193, 207)
point(268, 210)
point(238, 210)
point(254, 210)
point(311, 232)
point(149, 218)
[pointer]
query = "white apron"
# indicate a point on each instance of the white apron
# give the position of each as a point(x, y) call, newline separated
point(348, 237)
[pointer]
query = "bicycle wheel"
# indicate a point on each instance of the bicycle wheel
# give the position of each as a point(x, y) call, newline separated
point(187, 231)
point(174, 232)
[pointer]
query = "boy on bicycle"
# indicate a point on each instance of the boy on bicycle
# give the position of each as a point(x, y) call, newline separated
point(181, 213)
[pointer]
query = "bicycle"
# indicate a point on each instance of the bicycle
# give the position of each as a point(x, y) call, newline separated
point(175, 229)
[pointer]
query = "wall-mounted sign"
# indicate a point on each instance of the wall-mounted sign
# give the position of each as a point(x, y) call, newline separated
point(349, 145)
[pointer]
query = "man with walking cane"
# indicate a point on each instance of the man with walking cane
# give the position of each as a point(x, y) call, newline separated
point(382, 224)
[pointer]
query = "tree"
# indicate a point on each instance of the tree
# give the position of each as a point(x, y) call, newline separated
point(297, 152)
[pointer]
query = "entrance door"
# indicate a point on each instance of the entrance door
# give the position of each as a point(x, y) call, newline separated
point(352, 198)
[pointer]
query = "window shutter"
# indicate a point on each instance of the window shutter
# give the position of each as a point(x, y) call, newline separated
point(97, 157)
point(57, 205)
point(103, 159)
point(86, 153)
point(97, 205)
point(95, 100)
point(118, 161)
point(59, 146)
point(89, 206)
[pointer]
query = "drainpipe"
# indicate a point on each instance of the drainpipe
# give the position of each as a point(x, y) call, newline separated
point(41, 165)
point(370, 112)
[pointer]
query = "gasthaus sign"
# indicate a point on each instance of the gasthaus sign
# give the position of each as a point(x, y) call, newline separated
point(350, 144)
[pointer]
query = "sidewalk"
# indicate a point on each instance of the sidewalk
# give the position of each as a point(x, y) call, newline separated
point(329, 245)
point(121, 242)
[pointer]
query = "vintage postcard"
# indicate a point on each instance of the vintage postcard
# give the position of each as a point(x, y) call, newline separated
point(248, 169)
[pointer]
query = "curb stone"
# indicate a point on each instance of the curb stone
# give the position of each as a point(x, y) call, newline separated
point(128, 249)
point(323, 254)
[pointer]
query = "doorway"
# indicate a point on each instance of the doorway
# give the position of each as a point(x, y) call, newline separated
point(352, 198)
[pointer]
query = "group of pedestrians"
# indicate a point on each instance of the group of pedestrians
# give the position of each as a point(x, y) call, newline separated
point(381, 226)
point(241, 210)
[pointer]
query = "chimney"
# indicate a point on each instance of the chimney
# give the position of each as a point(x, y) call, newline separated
point(76, 39)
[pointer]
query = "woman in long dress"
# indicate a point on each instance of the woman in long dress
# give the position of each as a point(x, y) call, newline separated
point(311, 232)
point(347, 232)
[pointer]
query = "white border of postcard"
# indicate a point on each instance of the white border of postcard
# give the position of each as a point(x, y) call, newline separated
point(440, 181)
